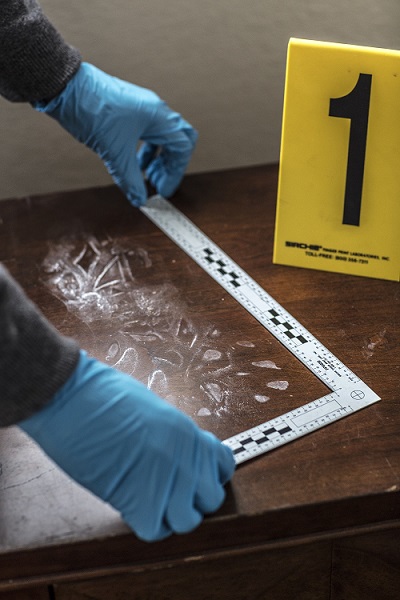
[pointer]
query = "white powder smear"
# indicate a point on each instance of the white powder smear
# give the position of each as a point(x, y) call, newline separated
point(266, 364)
point(112, 351)
point(92, 278)
point(278, 385)
point(148, 331)
point(261, 398)
point(157, 381)
point(128, 361)
point(204, 412)
point(210, 355)
point(213, 390)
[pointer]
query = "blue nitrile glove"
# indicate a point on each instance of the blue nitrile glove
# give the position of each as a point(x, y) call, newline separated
point(132, 449)
point(111, 116)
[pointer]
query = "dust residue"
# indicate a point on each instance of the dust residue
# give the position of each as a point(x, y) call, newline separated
point(204, 412)
point(260, 398)
point(375, 342)
point(265, 364)
point(213, 391)
point(210, 355)
point(95, 279)
point(278, 385)
point(149, 332)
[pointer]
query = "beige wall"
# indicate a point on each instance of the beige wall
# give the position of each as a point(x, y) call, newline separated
point(219, 62)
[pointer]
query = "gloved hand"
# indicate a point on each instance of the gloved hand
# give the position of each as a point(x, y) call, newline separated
point(111, 116)
point(133, 450)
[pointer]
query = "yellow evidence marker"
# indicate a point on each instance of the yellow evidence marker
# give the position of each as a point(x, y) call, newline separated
point(338, 205)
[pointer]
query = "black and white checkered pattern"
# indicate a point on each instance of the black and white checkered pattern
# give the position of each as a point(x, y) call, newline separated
point(291, 332)
point(231, 277)
point(260, 437)
point(222, 267)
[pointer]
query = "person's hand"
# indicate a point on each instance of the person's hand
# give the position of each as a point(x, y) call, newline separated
point(132, 449)
point(111, 117)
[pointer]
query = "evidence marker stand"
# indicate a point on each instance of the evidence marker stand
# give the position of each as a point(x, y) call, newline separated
point(338, 192)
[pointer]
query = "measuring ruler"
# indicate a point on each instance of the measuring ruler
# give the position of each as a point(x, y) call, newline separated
point(348, 393)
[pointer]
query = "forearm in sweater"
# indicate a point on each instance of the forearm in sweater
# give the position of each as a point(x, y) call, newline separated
point(35, 61)
point(35, 360)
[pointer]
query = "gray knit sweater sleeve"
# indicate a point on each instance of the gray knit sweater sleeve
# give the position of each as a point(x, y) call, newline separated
point(35, 62)
point(35, 360)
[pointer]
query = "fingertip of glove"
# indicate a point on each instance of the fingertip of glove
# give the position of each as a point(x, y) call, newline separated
point(165, 184)
point(146, 154)
point(136, 201)
point(151, 534)
point(228, 467)
point(167, 189)
point(188, 522)
point(224, 456)
point(192, 134)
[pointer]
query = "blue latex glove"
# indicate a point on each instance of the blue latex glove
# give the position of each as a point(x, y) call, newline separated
point(111, 116)
point(133, 450)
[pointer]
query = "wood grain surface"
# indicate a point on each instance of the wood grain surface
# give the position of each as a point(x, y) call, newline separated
point(177, 330)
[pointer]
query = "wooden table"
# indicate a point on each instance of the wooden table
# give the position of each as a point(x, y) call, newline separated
point(318, 518)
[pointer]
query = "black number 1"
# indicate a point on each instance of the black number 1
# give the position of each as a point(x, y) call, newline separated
point(354, 106)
